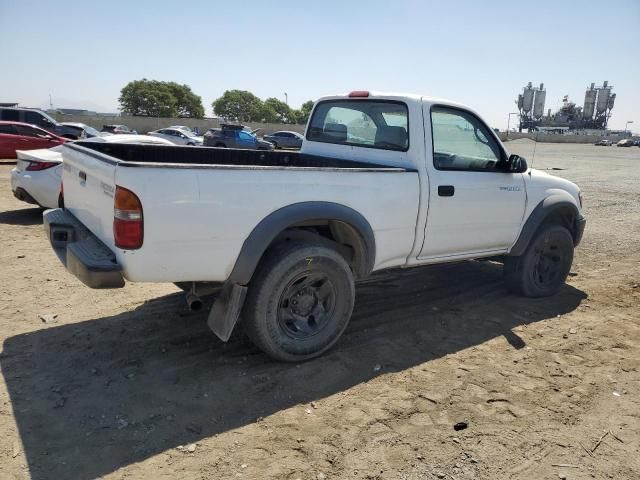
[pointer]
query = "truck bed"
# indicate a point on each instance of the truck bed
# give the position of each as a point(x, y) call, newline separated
point(177, 156)
point(201, 204)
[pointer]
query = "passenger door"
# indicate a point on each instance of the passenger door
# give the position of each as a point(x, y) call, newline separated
point(9, 141)
point(285, 138)
point(32, 138)
point(475, 205)
point(36, 118)
point(246, 140)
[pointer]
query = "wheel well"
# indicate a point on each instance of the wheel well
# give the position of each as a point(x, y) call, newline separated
point(565, 216)
point(340, 236)
point(554, 211)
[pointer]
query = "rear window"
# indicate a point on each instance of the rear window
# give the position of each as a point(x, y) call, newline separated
point(8, 129)
point(10, 115)
point(379, 124)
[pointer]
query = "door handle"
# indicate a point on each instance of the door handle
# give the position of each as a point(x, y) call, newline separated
point(83, 176)
point(446, 190)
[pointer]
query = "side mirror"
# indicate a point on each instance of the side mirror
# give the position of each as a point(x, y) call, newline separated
point(517, 164)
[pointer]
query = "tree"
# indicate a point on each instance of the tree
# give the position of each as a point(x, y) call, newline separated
point(152, 98)
point(188, 104)
point(304, 112)
point(267, 114)
point(239, 105)
point(148, 98)
point(284, 114)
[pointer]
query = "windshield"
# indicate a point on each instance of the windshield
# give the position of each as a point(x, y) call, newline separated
point(90, 131)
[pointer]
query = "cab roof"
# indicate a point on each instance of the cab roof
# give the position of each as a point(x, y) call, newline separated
point(410, 97)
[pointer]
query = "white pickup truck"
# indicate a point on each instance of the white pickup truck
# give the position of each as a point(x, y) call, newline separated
point(382, 181)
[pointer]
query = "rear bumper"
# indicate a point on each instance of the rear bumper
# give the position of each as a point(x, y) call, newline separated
point(40, 188)
point(21, 194)
point(581, 222)
point(81, 252)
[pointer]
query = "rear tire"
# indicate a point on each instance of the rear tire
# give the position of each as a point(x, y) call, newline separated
point(543, 268)
point(299, 301)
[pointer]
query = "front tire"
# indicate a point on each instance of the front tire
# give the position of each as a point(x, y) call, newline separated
point(543, 268)
point(299, 301)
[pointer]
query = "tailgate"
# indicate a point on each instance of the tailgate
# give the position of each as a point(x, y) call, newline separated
point(88, 181)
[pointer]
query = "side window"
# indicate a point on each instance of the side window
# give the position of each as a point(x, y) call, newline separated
point(379, 124)
point(7, 129)
point(10, 115)
point(245, 136)
point(30, 132)
point(35, 118)
point(461, 141)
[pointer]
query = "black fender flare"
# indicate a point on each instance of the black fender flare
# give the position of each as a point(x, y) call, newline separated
point(538, 216)
point(276, 222)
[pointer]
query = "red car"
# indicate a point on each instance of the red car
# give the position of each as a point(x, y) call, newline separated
point(22, 136)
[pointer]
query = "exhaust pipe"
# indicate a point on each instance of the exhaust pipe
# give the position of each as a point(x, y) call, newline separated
point(194, 302)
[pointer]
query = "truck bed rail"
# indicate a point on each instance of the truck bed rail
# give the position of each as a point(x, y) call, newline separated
point(165, 155)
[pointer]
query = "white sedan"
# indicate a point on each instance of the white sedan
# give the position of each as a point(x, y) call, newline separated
point(179, 136)
point(37, 175)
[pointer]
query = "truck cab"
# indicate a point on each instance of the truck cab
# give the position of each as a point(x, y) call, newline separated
point(478, 195)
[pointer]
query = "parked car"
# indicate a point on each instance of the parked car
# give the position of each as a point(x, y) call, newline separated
point(33, 116)
point(178, 136)
point(118, 130)
point(36, 177)
point(184, 127)
point(603, 143)
point(21, 136)
point(627, 142)
point(283, 235)
point(284, 139)
point(83, 130)
point(234, 136)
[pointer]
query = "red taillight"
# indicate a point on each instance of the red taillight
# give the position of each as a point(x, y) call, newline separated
point(128, 225)
point(359, 94)
point(37, 166)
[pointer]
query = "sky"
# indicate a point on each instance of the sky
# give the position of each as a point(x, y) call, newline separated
point(479, 53)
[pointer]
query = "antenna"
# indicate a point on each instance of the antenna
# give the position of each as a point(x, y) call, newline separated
point(50, 102)
point(533, 155)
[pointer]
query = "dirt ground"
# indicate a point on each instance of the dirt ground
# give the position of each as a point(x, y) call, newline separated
point(127, 384)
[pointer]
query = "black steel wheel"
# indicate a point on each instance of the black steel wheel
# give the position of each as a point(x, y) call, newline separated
point(545, 265)
point(306, 305)
point(299, 301)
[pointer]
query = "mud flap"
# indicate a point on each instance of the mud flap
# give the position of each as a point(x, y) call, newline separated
point(226, 310)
